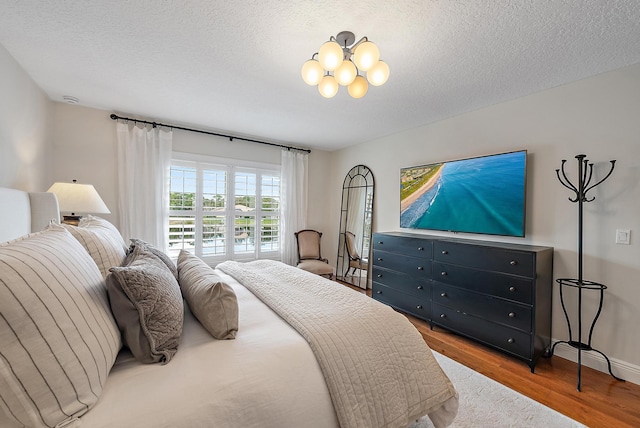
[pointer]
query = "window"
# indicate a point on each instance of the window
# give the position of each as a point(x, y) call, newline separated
point(224, 210)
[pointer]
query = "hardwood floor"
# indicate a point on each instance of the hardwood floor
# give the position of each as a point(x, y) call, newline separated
point(603, 402)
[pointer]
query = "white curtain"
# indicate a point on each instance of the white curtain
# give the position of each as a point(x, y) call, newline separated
point(144, 171)
point(293, 191)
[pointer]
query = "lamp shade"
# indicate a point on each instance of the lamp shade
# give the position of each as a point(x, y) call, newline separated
point(330, 56)
point(378, 74)
point(312, 72)
point(328, 87)
point(366, 55)
point(358, 88)
point(78, 198)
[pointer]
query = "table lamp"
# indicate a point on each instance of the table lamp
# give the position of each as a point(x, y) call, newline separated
point(77, 198)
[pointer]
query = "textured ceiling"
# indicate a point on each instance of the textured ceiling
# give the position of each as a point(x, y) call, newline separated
point(234, 66)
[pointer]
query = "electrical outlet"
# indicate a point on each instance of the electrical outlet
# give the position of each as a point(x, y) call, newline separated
point(623, 236)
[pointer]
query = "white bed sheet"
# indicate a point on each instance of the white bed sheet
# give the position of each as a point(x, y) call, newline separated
point(267, 377)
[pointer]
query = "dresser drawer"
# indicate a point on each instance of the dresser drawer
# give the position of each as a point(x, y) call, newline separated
point(414, 266)
point(483, 306)
point(420, 307)
point(487, 258)
point(504, 338)
point(410, 246)
point(416, 286)
point(497, 284)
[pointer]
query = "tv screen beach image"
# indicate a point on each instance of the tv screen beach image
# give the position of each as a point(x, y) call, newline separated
point(478, 195)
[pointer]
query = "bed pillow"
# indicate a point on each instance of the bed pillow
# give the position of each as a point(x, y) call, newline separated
point(162, 256)
point(58, 339)
point(212, 301)
point(94, 222)
point(147, 305)
point(101, 244)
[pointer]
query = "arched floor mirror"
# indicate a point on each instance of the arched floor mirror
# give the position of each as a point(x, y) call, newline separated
point(356, 216)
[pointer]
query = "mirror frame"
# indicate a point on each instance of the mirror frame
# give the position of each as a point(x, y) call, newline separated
point(358, 178)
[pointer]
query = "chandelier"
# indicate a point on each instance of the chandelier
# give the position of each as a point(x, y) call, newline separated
point(344, 58)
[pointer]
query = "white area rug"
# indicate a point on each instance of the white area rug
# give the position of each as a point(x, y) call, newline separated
point(487, 403)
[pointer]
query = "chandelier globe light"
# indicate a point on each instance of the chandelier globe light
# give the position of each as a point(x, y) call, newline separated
point(366, 55)
point(330, 55)
point(378, 74)
point(328, 86)
point(339, 62)
point(312, 72)
point(358, 88)
point(346, 73)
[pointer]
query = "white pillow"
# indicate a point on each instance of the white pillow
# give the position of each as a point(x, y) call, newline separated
point(58, 339)
point(103, 245)
point(91, 221)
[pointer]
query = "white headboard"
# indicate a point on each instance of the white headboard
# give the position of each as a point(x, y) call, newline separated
point(24, 212)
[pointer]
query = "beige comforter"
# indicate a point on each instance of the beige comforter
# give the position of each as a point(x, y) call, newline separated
point(378, 369)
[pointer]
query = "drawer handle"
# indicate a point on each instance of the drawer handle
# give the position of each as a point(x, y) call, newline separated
point(513, 262)
point(379, 275)
point(443, 315)
point(445, 252)
point(380, 242)
point(420, 287)
point(512, 314)
point(379, 259)
point(511, 340)
point(420, 268)
point(443, 294)
point(378, 292)
point(443, 273)
point(512, 288)
point(419, 307)
point(420, 249)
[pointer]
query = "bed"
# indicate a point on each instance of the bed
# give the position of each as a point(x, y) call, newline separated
point(308, 352)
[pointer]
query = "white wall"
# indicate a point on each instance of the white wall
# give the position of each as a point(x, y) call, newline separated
point(84, 149)
point(25, 125)
point(599, 117)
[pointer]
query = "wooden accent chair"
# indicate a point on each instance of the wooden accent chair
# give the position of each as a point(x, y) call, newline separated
point(355, 261)
point(309, 255)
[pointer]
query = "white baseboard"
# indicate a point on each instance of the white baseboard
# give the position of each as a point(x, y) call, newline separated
point(622, 369)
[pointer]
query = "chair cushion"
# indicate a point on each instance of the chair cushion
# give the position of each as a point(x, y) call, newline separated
point(58, 339)
point(308, 244)
point(317, 266)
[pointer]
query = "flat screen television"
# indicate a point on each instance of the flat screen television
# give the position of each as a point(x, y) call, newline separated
point(484, 195)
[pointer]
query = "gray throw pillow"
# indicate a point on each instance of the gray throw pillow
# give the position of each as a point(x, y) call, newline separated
point(162, 256)
point(147, 305)
point(212, 301)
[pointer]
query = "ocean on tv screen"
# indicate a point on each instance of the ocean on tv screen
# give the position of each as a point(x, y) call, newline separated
point(479, 195)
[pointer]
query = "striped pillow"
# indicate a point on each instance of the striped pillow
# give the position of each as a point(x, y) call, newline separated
point(91, 221)
point(58, 337)
point(101, 244)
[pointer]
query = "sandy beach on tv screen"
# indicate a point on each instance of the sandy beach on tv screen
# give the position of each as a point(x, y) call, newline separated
point(406, 202)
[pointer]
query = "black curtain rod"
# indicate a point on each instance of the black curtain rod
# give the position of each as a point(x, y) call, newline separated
point(230, 137)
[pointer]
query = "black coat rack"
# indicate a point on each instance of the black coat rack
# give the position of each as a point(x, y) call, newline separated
point(585, 174)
